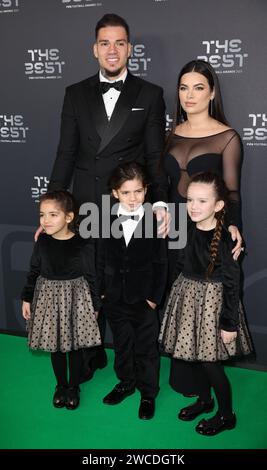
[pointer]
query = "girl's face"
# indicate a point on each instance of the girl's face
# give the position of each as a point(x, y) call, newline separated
point(195, 93)
point(202, 204)
point(131, 194)
point(53, 220)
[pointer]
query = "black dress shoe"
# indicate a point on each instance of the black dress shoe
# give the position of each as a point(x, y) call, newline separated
point(73, 398)
point(60, 395)
point(192, 411)
point(118, 394)
point(219, 423)
point(146, 408)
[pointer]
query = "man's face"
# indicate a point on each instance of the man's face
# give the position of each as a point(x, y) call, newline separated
point(112, 50)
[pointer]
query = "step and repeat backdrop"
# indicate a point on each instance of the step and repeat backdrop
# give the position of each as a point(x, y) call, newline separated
point(46, 45)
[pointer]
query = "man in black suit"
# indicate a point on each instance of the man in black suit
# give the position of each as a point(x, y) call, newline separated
point(109, 118)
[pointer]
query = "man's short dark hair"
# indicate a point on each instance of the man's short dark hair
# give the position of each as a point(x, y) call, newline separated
point(110, 19)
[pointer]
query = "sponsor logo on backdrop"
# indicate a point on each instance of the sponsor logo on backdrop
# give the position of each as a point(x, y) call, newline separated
point(13, 129)
point(226, 56)
point(40, 187)
point(169, 122)
point(256, 134)
point(9, 6)
point(44, 64)
point(138, 63)
point(81, 3)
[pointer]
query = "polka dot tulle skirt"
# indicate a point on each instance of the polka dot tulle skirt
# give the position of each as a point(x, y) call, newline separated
point(62, 316)
point(191, 324)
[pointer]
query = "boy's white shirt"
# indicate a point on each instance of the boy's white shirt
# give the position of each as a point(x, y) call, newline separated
point(129, 226)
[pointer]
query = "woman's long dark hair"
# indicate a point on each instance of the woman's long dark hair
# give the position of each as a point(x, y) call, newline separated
point(215, 110)
point(205, 69)
point(221, 193)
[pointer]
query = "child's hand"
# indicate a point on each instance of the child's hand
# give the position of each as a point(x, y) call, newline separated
point(151, 304)
point(228, 336)
point(96, 314)
point(26, 310)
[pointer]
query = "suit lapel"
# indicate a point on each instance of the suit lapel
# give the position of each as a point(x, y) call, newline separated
point(96, 105)
point(122, 110)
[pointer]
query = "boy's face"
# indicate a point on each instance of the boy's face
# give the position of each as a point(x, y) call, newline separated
point(53, 220)
point(131, 194)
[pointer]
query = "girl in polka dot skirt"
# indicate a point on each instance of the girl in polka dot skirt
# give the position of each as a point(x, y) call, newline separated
point(204, 321)
point(60, 298)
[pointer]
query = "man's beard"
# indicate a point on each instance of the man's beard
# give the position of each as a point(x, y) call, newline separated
point(111, 74)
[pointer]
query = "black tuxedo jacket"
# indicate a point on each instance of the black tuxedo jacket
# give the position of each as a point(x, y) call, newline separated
point(135, 272)
point(91, 147)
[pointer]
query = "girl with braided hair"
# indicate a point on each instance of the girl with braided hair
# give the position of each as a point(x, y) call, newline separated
point(204, 321)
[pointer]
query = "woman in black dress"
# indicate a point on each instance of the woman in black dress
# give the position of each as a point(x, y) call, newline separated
point(201, 140)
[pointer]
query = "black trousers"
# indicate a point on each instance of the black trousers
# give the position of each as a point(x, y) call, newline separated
point(135, 329)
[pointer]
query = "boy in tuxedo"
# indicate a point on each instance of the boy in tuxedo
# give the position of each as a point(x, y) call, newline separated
point(132, 269)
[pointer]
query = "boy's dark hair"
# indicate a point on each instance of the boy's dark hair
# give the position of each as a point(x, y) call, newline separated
point(222, 194)
point(111, 19)
point(125, 172)
point(66, 202)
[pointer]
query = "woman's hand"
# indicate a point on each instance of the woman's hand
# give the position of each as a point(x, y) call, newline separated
point(37, 233)
point(26, 310)
point(164, 217)
point(236, 236)
point(228, 336)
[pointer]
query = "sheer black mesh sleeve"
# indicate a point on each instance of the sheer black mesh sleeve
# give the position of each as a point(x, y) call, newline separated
point(232, 161)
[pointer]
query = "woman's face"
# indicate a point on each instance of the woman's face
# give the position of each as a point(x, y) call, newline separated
point(195, 93)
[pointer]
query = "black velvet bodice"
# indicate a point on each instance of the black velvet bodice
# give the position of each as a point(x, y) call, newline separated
point(194, 259)
point(61, 260)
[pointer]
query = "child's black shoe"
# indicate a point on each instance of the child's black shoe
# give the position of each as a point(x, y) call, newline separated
point(73, 398)
point(216, 424)
point(60, 395)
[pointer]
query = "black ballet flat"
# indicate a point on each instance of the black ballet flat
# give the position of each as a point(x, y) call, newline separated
point(192, 411)
point(216, 424)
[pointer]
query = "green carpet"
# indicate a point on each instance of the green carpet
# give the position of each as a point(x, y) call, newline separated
point(29, 421)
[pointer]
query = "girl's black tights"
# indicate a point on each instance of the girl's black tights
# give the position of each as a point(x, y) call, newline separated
point(59, 363)
point(211, 374)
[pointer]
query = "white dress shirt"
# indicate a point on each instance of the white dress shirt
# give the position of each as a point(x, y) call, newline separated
point(111, 97)
point(129, 226)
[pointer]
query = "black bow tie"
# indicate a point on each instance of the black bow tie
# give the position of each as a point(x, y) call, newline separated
point(123, 217)
point(105, 86)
